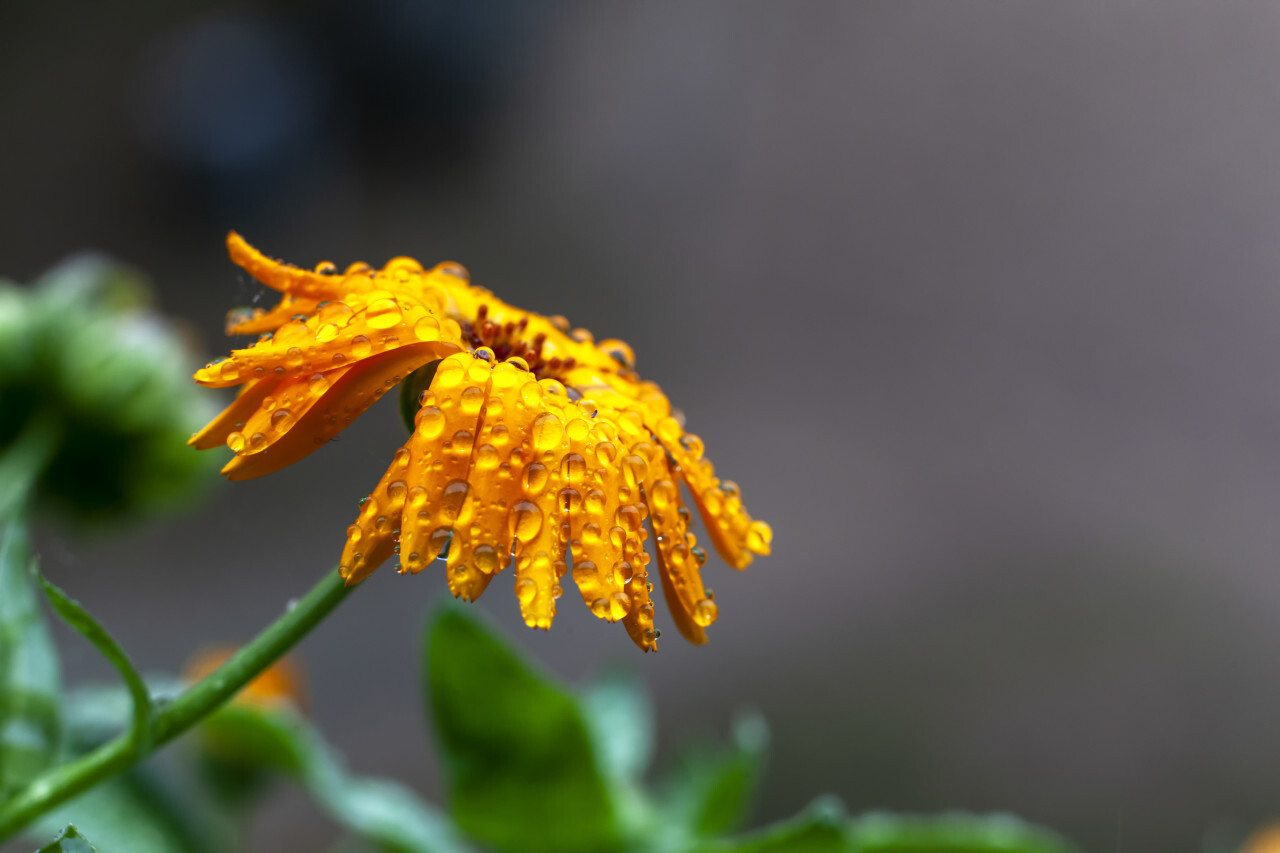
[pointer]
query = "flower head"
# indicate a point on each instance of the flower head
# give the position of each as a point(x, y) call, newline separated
point(532, 445)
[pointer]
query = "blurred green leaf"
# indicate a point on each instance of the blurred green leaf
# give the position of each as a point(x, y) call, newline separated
point(818, 829)
point(30, 720)
point(135, 812)
point(619, 719)
point(68, 841)
point(520, 765)
point(711, 790)
point(951, 833)
point(383, 812)
point(77, 617)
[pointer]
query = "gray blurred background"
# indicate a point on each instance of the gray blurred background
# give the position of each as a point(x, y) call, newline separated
point(977, 302)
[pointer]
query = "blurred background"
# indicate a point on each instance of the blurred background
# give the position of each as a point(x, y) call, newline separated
point(977, 302)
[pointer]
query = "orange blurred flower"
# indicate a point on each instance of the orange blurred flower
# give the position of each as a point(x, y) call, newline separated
point(531, 441)
point(279, 683)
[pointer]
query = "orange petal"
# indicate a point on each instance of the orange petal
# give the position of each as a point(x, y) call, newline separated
point(482, 548)
point(245, 321)
point(338, 335)
point(733, 532)
point(371, 540)
point(602, 528)
point(234, 416)
point(679, 561)
point(350, 393)
point(443, 441)
point(286, 278)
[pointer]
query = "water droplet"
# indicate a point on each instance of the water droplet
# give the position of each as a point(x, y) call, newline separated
point(573, 468)
point(484, 354)
point(268, 403)
point(526, 521)
point(427, 329)
point(692, 445)
point(600, 607)
point(699, 555)
point(326, 333)
point(606, 453)
point(430, 422)
point(293, 357)
point(280, 419)
point(619, 605)
point(620, 351)
point(383, 313)
point(548, 432)
point(236, 442)
point(535, 477)
point(635, 469)
point(487, 457)
point(360, 346)
point(663, 495)
point(452, 499)
point(705, 612)
point(257, 441)
point(472, 400)
point(486, 559)
point(759, 537)
point(526, 591)
point(229, 371)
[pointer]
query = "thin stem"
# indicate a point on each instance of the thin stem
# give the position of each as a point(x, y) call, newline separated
point(197, 702)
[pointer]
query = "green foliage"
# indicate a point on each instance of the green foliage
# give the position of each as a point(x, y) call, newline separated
point(711, 790)
point(68, 841)
point(245, 736)
point(521, 768)
point(81, 355)
point(77, 617)
point(29, 672)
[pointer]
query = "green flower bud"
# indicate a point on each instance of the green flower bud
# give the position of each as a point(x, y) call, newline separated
point(82, 354)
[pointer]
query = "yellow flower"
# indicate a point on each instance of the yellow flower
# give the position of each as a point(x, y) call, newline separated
point(530, 442)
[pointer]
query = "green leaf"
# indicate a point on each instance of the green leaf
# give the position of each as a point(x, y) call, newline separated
point(619, 719)
point(520, 766)
point(818, 829)
point(712, 790)
point(68, 841)
point(244, 736)
point(30, 720)
point(135, 812)
point(951, 833)
point(77, 617)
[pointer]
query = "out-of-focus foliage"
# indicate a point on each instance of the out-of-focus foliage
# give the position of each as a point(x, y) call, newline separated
point(83, 357)
point(29, 671)
point(68, 841)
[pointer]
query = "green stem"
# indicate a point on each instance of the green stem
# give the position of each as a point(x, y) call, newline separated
point(196, 703)
point(23, 461)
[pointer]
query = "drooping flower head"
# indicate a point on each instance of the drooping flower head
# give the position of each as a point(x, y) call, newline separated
point(532, 446)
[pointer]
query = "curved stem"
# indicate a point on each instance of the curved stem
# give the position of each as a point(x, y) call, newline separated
point(197, 702)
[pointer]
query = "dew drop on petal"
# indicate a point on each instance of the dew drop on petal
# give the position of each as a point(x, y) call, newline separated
point(548, 431)
point(430, 422)
point(705, 612)
point(383, 313)
point(526, 591)
point(526, 521)
point(486, 559)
